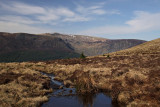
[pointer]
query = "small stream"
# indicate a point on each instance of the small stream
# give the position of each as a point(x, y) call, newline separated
point(67, 97)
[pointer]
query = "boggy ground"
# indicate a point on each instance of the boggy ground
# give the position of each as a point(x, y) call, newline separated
point(21, 86)
point(130, 80)
point(131, 77)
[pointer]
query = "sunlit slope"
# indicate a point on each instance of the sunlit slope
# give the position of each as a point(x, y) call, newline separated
point(151, 47)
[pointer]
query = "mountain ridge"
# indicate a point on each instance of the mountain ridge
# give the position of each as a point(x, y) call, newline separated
point(56, 46)
point(92, 46)
point(17, 46)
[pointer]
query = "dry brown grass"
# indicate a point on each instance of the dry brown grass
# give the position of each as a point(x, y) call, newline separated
point(131, 77)
point(21, 86)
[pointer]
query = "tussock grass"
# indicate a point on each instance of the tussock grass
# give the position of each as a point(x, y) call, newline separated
point(21, 86)
point(131, 77)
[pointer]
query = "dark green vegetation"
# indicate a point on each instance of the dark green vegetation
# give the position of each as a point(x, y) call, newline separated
point(19, 47)
point(36, 55)
point(82, 55)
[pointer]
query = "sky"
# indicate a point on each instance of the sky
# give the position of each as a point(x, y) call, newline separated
point(112, 19)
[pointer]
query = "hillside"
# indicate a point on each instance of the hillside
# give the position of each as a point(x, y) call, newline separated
point(92, 46)
point(151, 47)
point(30, 47)
point(131, 77)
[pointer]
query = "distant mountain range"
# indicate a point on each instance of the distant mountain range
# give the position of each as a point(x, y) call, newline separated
point(92, 46)
point(18, 47)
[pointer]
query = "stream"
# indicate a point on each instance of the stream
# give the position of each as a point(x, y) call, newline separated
point(67, 97)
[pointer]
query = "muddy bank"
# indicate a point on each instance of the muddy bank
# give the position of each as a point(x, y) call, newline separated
point(129, 79)
point(64, 96)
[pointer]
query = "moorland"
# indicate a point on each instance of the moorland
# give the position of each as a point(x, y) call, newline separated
point(131, 77)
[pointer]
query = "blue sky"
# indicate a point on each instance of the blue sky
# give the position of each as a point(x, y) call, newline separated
point(113, 19)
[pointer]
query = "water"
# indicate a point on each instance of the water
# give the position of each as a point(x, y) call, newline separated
point(67, 97)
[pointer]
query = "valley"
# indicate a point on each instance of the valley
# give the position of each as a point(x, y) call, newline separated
point(130, 77)
point(79, 53)
point(20, 47)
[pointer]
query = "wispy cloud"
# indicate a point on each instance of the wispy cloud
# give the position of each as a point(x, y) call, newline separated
point(49, 14)
point(95, 10)
point(76, 18)
point(18, 19)
point(22, 8)
point(20, 14)
point(16, 27)
point(143, 21)
point(111, 12)
point(65, 12)
point(90, 10)
point(41, 14)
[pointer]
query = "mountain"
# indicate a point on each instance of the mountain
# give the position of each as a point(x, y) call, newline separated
point(33, 47)
point(92, 46)
point(30, 47)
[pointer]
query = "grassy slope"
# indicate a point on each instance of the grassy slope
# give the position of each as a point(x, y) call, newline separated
point(130, 76)
point(151, 47)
